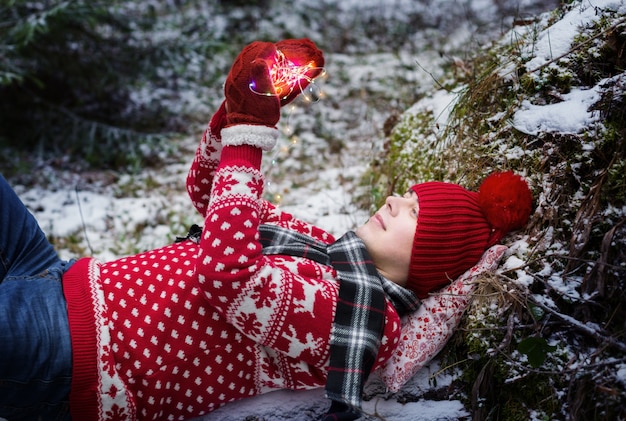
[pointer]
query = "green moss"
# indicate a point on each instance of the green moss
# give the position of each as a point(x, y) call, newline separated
point(411, 155)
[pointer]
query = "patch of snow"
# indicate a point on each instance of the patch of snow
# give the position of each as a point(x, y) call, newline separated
point(620, 375)
point(569, 116)
point(557, 40)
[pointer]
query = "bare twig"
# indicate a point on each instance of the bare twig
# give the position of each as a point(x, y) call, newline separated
point(594, 333)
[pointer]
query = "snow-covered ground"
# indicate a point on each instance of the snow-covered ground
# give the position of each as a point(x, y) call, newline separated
point(314, 173)
point(310, 405)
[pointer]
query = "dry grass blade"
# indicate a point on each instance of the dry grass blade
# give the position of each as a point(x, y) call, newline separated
point(595, 281)
point(493, 288)
point(584, 218)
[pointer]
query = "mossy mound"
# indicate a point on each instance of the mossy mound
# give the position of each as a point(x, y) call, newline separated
point(544, 338)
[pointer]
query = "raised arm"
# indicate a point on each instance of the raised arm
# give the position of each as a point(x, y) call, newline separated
point(262, 299)
point(205, 162)
point(286, 55)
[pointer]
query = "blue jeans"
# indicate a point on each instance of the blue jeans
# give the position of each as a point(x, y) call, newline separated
point(35, 347)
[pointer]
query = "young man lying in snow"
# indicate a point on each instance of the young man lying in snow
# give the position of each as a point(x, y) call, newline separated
point(254, 301)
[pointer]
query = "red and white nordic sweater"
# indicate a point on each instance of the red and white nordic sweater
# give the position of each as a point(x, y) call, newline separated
point(176, 332)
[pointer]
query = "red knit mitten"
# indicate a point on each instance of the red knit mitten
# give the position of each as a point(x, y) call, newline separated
point(250, 96)
point(304, 55)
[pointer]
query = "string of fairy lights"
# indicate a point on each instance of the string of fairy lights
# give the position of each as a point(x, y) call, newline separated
point(288, 77)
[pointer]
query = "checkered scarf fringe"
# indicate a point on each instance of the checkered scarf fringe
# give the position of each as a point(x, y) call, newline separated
point(360, 315)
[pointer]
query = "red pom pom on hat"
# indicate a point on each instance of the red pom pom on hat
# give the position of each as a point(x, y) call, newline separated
point(506, 202)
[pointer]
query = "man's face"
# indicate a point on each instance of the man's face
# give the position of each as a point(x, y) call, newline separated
point(388, 236)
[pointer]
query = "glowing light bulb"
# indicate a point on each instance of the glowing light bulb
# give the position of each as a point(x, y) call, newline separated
point(312, 93)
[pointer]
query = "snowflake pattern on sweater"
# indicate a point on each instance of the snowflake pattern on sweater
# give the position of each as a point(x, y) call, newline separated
point(181, 330)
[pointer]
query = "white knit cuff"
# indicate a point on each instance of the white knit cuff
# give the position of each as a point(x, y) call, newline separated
point(246, 134)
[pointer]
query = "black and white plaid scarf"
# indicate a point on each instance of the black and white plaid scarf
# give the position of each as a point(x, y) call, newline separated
point(360, 315)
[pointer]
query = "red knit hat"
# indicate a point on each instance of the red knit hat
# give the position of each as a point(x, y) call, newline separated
point(455, 226)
